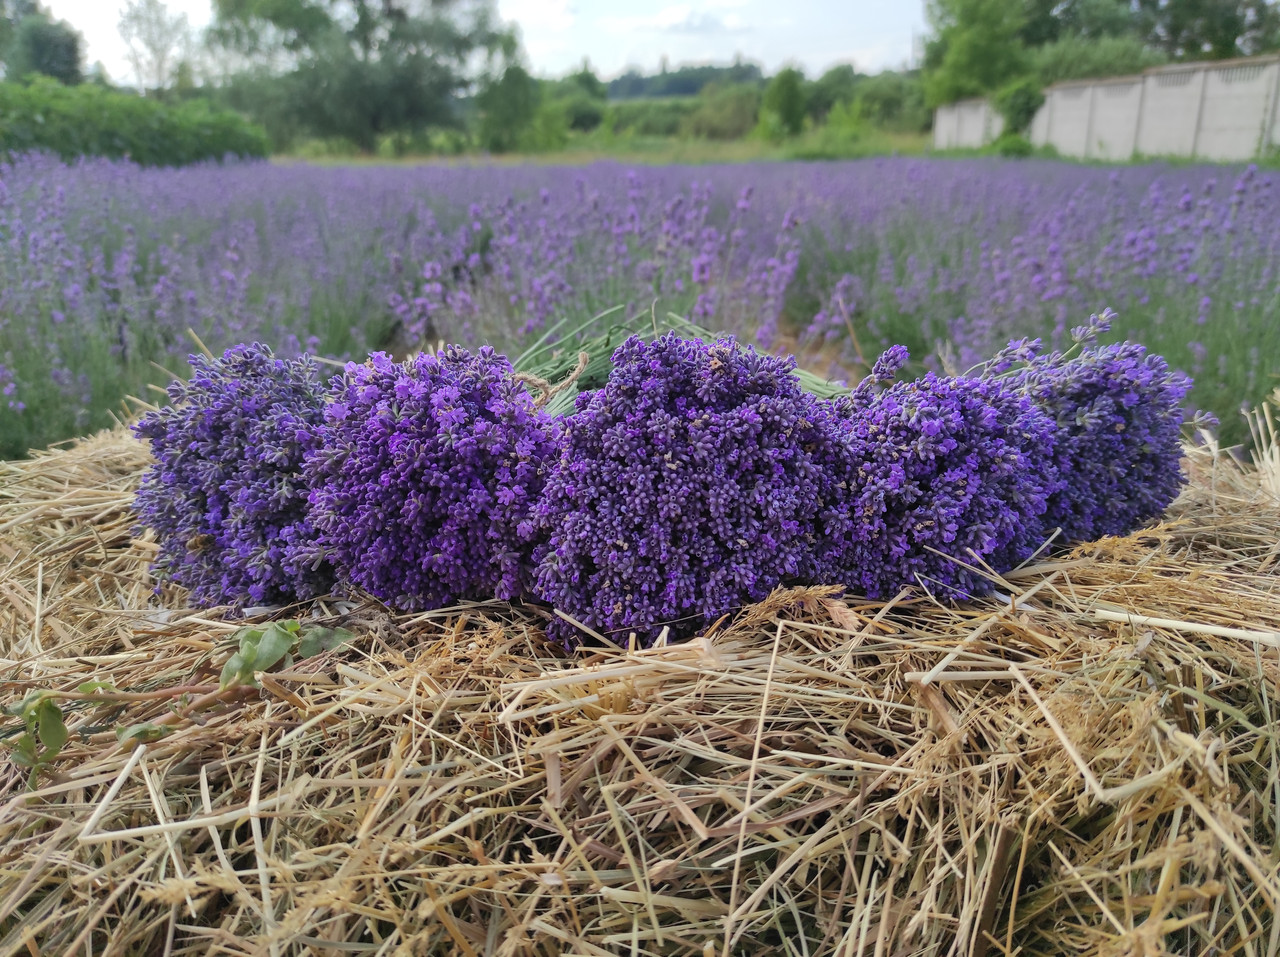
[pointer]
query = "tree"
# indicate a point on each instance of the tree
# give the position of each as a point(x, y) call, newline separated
point(976, 48)
point(1017, 103)
point(580, 97)
point(784, 100)
point(49, 47)
point(361, 69)
point(587, 81)
point(1217, 29)
point(1077, 58)
point(725, 112)
point(13, 12)
point(685, 81)
point(837, 85)
point(1094, 19)
point(508, 106)
point(893, 101)
point(980, 46)
point(156, 41)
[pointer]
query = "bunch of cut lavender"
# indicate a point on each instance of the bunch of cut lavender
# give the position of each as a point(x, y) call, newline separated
point(948, 475)
point(425, 475)
point(225, 497)
point(1118, 415)
point(690, 485)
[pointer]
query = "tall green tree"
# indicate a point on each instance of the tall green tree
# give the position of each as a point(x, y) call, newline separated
point(976, 48)
point(586, 80)
point(581, 96)
point(360, 69)
point(1047, 21)
point(784, 100)
point(44, 46)
point(1078, 57)
point(156, 40)
point(837, 85)
point(1216, 29)
point(893, 101)
point(508, 105)
point(13, 12)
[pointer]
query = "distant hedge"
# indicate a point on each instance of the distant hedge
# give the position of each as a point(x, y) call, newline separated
point(89, 120)
point(655, 117)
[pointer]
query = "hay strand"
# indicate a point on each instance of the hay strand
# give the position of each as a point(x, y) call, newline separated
point(1086, 764)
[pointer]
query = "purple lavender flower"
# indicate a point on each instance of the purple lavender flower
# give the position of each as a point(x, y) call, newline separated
point(9, 390)
point(226, 498)
point(947, 475)
point(690, 485)
point(425, 475)
point(887, 367)
point(1118, 414)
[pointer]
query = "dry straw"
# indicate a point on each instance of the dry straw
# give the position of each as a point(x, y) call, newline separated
point(1084, 764)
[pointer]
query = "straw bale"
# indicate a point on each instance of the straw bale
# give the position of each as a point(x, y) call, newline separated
point(1085, 763)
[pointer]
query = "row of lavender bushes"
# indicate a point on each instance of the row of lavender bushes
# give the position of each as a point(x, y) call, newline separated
point(104, 267)
point(696, 480)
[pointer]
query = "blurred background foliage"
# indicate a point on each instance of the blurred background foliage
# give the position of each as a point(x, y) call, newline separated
point(1011, 49)
point(397, 78)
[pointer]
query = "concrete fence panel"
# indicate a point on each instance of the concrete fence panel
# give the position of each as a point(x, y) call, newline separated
point(944, 127)
point(1068, 126)
point(978, 122)
point(1039, 132)
point(1114, 126)
point(1236, 105)
point(1170, 112)
point(967, 124)
point(1228, 110)
point(1271, 135)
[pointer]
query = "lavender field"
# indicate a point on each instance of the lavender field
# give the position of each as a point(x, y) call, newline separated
point(104, 267)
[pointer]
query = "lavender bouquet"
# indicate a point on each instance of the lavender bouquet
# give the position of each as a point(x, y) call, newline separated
point(425, 476)
point(226, 497)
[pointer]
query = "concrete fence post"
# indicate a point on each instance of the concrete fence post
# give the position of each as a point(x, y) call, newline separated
point(1088, 123)
point(1265, 139)
point(1137, 122)
point(1203, 73)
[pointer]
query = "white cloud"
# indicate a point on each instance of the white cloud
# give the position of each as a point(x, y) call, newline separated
point(542, 16)
point(544, 27)
point(678, 19)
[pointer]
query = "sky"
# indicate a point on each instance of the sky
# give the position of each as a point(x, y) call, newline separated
point(613, 35)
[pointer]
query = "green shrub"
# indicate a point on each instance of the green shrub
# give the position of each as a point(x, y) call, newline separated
point(724, 113)
point(1018, 102)
point(583, 113)
point(1081, 58)
point(649, 117)
point(89, 120)
point(894, 101)
point(508, 105)
point(548, 130)
point(1013, 145)
point(784, 101)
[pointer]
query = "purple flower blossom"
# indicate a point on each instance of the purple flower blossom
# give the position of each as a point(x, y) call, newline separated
point(425, 475)
point(106, 266)
point(225, 497)
point(946, 475)
point(1118, 414)
point(690, 485)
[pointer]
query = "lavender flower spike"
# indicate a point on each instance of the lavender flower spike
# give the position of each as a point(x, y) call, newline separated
point(696, 481)
point(425, 477)
point(1118, 415)
point(226, 498)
